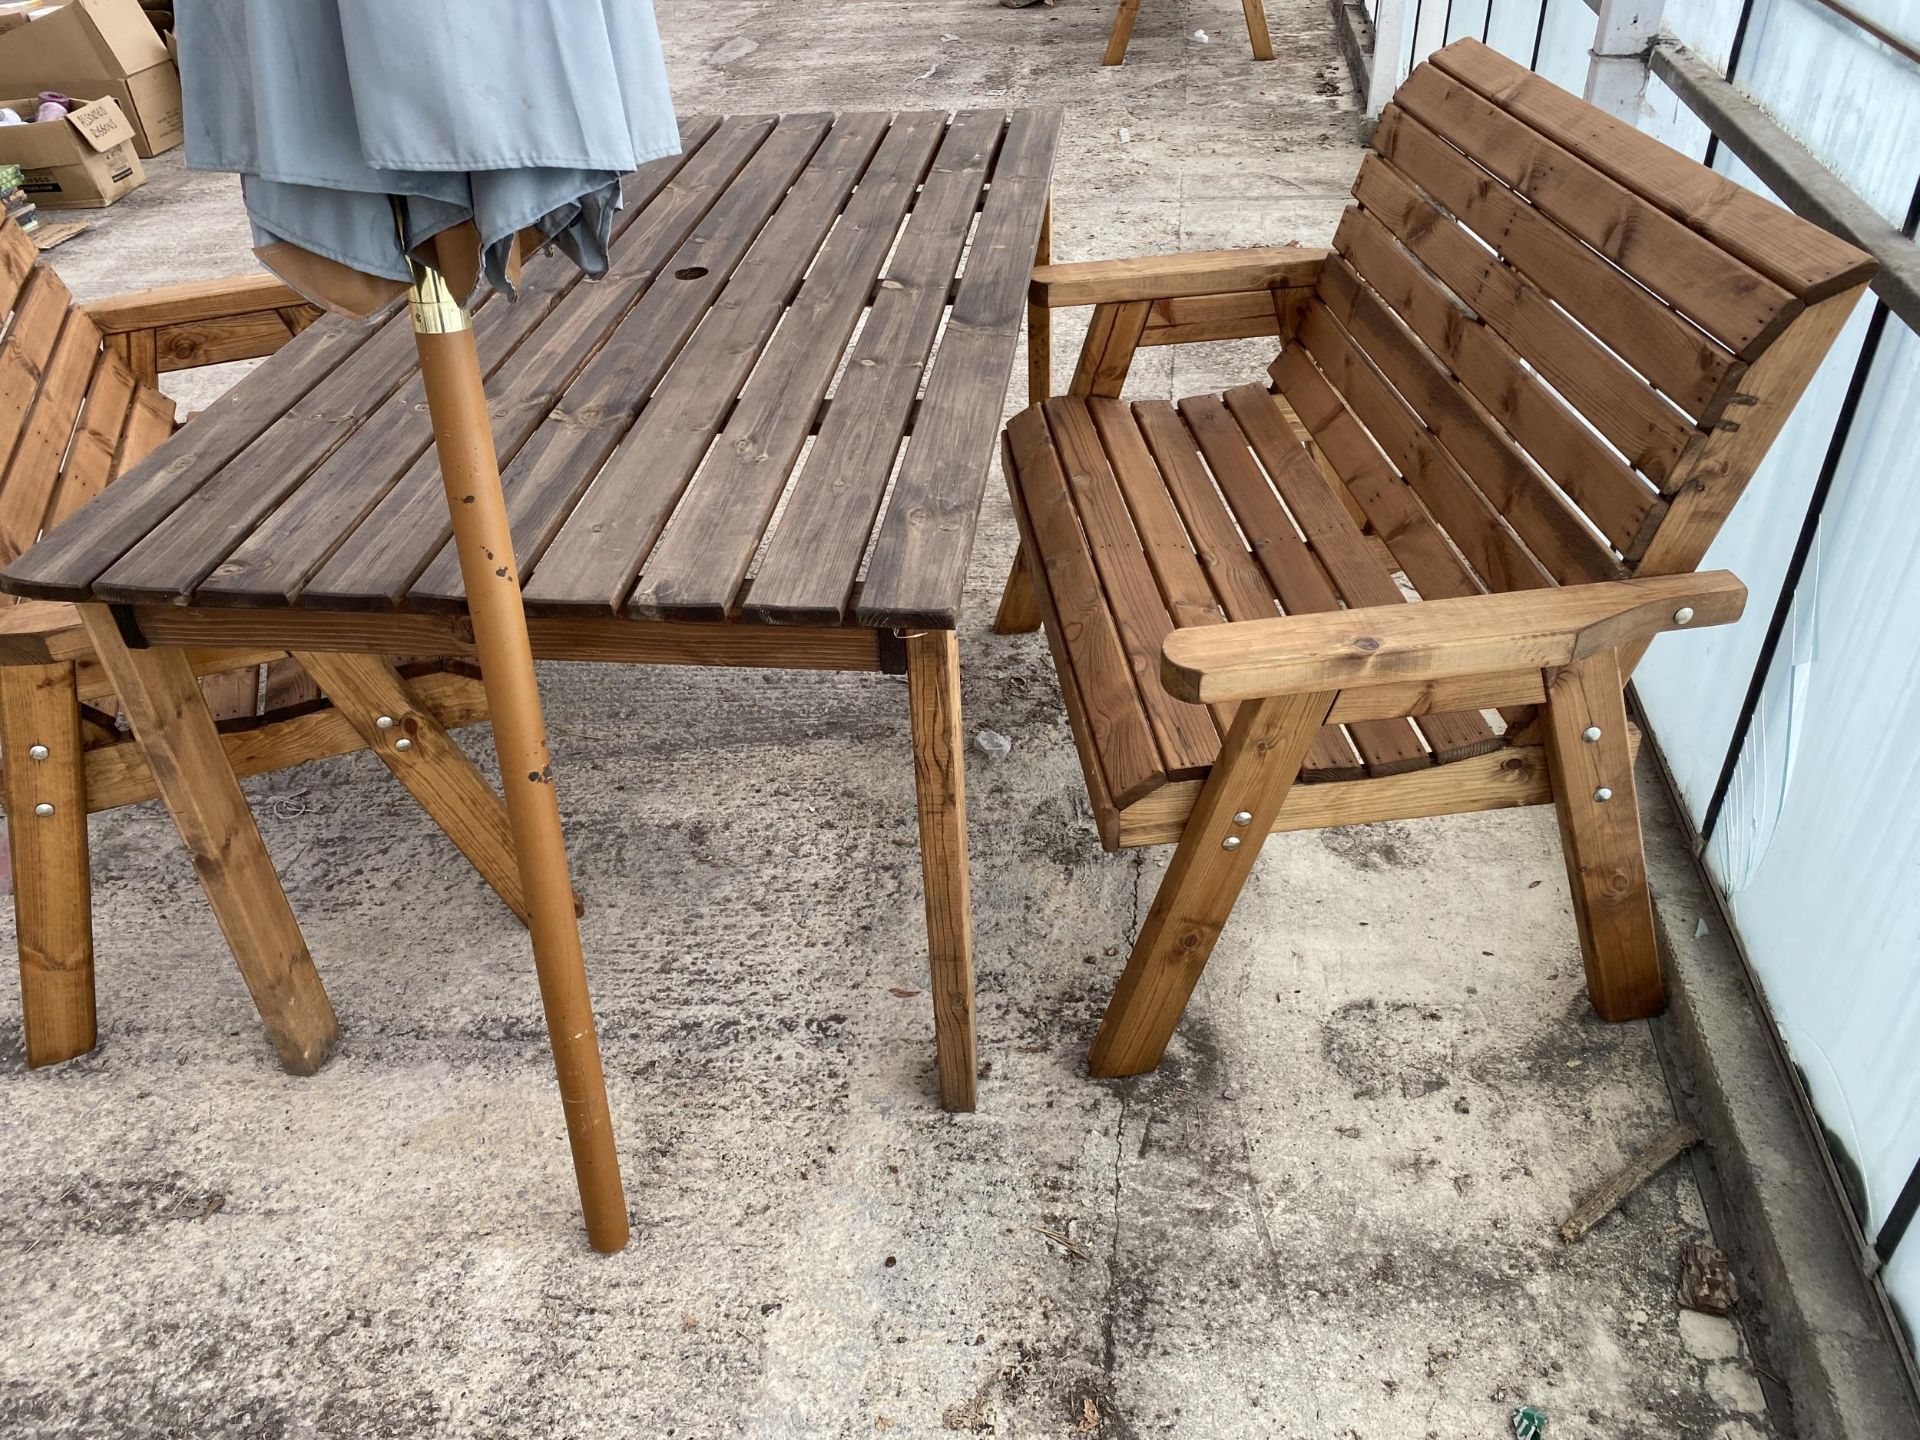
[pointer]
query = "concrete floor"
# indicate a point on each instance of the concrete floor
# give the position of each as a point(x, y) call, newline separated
point(1331, 1213)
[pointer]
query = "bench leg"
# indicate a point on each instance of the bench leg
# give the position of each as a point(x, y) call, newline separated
point(435, 770)
point(1113, 335)
point(1257, 29)
point(52, 895)
point(933, 697)
point(1256, 768)
point(176, 735)
point(1122, 32)
point(1019, 612)
point(1593, 794)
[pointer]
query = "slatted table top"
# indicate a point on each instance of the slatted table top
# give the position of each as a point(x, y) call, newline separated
point(779, 405)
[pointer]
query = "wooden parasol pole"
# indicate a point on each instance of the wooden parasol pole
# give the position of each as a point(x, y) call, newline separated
point(463, 436)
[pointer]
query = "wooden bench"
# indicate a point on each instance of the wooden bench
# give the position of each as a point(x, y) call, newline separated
point(79, 404)
point(1525, 387)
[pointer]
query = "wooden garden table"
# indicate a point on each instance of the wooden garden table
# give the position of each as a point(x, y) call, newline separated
point(761, 440)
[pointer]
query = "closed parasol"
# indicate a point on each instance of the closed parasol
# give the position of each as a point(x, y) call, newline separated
point(391, 147)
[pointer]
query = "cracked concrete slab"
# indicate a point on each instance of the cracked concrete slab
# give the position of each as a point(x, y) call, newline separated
point(1330, 1214)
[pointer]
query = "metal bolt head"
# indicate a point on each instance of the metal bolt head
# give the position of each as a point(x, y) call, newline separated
point(385, 722)
point(1602, 795)
point(1232, 842)
point(1591, 734)
point(37, 752)
point(403, 743)
point(1243, 817)
point(43, 809)
point(1683, 615)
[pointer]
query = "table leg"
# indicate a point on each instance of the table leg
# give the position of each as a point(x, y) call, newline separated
point(426, 759)
point(175, 733)
point(933, 697)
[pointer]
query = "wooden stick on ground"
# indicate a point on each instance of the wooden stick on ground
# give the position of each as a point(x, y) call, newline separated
point(470, 470)
point(1629, 1178)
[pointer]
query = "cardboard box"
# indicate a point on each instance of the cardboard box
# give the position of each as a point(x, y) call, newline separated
point(84, 160)
point(93, 48)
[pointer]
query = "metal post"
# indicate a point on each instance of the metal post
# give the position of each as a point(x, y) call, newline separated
point(1390, 25)
point(1617, 71)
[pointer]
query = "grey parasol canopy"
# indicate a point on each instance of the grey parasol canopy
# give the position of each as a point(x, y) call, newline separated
point(510, 115)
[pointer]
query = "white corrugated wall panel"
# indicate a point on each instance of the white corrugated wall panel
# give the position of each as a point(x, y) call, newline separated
point(1818, 849)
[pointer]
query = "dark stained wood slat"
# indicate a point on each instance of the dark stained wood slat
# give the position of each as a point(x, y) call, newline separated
point(1110, 702)
point(289, 545)
point(1338, 544)
point(373, 566)
point(34, 331)
point(181, 550)
point(1571, 199)
point(696, 570)
point(808, 570)
point(1386, 746)
point(1425, 555)
point(562, 457)
point(1687, 365)
point(1222, 553)
point(1502, 562)
point(1798, 255)
point(26, 485)
point(1185, 733)
point(592, 560)
point(1619, 502)
point(1618, 403)
point(66, 561)
point(919, 564)
point(96, 443)
point(1551, 525)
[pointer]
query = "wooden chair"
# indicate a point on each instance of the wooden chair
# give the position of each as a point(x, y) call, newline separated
point(78, 404)
point(1129, 11)
point(1525, 386)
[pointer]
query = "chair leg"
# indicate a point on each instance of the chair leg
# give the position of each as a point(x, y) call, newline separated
point(1122, 32)
point(1019, 612)
point(933, 698)
point(1040, 321)
point(435, 770)
point(176, 735)
point(1235, 813)
point(1113, 335)
point(1257, 29)
point(40, 743)
point(1593, 794)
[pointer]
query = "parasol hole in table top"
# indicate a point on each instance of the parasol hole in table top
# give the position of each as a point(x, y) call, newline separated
point(691, 272)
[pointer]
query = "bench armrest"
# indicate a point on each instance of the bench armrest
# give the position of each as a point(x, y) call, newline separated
point(194, 301)
point(40, 632)
point(202, 322)
point(1173, 277)
point(1438, 639)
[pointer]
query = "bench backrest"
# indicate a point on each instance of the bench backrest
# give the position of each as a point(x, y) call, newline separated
point(72, 416)
point(1574, 343)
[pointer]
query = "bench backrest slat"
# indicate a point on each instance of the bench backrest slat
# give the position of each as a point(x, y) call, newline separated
point(1571, 343)
point(72, 415)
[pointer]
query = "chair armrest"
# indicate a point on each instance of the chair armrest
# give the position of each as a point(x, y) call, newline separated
point(196, 300)
point(203, 322)
point(1173, 277)
point(1438, 639)
point(41, 632)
